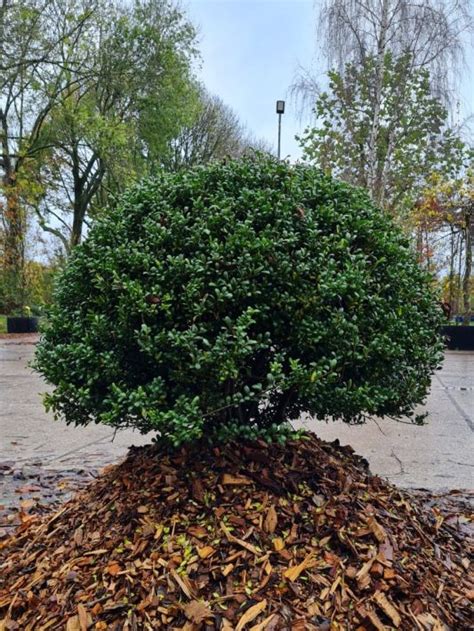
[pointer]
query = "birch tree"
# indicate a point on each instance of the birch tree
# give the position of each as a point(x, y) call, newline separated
point(413, 136)
point(432, 33)
point(423, 35)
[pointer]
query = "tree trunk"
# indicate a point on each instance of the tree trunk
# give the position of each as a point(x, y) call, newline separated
point(14, 225)
point(375, 127)
point(14, 220)
point(466, 281)
point(77, 224)
point(79, 210)
point(451, 270)
point(459, 274)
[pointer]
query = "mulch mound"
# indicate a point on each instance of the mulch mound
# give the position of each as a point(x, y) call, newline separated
point(246, 537)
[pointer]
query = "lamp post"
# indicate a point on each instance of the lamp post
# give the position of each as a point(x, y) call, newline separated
point(280, 109)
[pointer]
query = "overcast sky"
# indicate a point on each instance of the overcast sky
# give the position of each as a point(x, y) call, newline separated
point(251, 50)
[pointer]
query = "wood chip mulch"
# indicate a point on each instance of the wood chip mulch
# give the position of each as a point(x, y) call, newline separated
point(246, 537)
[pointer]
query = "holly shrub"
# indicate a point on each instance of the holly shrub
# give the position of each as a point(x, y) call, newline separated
point(229, 299)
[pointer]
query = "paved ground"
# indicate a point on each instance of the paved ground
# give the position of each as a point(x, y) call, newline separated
point(43, 461)
point(437, 456)
point(28, 435)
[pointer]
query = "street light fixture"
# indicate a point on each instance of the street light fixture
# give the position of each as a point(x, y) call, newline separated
point(280, 109)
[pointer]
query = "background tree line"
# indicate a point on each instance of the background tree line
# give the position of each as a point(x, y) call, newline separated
point(93, 94)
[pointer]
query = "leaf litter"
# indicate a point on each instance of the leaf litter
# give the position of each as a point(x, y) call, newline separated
point(248, 537)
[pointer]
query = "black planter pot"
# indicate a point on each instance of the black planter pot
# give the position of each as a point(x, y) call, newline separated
point(460, 318)
point(22, 324)
point(459, 338)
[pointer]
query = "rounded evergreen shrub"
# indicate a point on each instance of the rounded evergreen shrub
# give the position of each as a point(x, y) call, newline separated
point(231, 298)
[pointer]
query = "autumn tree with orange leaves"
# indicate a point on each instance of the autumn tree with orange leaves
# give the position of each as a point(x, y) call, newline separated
point(446, 212)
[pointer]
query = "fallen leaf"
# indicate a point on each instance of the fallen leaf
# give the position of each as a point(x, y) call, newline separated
point(113, 568)
point(73, 624)
point(197, 611)
point(84, 617)
point(197, 490)
point(251, 614)
point(271, 520)
point(386, 549)
point(261, 626)
point(205, 551)
point(439, 519)
point(27, 504)
point(314, 610)
point(198, 531)
point(292, 573)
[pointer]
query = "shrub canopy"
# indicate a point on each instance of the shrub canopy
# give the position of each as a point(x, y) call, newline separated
point(231, 298)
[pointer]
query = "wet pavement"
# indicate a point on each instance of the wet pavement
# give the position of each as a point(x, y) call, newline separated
point(438, 455)
point(28, 434)
point(43, 461)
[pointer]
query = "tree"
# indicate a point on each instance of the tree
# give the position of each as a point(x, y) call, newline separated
point(359, 35)
point(447, 205)
point(138, 93)
point(38, 39)
point(225, 300)
point(214, 132)
point(413, 136)
point(428, 32)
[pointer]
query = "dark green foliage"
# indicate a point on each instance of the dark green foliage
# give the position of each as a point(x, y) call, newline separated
point(229, 299)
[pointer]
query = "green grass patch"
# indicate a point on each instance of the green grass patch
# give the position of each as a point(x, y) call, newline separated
point(3, 323)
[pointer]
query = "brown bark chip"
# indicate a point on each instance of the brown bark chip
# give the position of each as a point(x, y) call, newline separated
point(250, 537)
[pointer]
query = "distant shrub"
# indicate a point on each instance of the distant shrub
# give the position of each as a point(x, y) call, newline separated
point(36, 290)
point(227, 300)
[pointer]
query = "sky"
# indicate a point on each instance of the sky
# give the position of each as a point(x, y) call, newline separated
point(251, 51)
